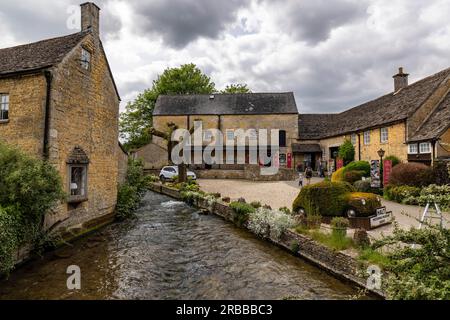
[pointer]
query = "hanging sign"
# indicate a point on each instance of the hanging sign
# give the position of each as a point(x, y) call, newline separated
point(387, 170)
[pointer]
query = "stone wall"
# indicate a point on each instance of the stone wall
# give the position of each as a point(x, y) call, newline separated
point(26, 124)
point(122, 165)
point(84, 114)
point(154, 156)
point(396, 146)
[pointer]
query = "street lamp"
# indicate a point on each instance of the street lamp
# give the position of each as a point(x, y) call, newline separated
point(381, 153)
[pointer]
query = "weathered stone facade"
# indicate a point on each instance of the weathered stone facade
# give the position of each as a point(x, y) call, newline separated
point(81, 106)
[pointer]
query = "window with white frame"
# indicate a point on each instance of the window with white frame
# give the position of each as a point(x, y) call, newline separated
point(384, 135)
point(354, 138)
point(85, 59)
point(367, 137)
point(4, 107)
point(425, 147)
point(412, 148)
point(78, 181)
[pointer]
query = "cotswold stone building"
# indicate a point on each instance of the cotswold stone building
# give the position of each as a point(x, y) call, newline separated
point(59, 102)
point(412, 123)
point(228, 113)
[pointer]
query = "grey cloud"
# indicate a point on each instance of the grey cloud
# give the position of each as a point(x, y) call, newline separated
point(313, 21)
point(183, 21)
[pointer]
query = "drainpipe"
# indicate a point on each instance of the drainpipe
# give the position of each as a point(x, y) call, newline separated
point(48, 78)
point(359, 147)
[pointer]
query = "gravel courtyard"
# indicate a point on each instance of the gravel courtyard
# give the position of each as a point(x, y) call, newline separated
point(283, 193)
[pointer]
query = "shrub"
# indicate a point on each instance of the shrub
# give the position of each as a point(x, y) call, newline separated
point(242, 211)
point(313, 221)
point(338, 175)
point(421, 272)
point(434, 193)
point(353, 176)
point(400, 194)
point(285, 210)
point(256, 204)
point(29, 189)
point(268, 223)
point(364, 203)
point(441, 173)
point(363, 185)
point(411, 174)
point(347, 151)
point(295, 246)
point(325, 198)
point(339, 226)
point(130, 193)
point(359, 166)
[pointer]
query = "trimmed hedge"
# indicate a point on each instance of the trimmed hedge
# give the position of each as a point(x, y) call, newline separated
point(325, 198)
point(364, 203)
point(363, 185)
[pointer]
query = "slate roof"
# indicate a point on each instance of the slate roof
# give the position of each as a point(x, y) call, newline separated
point(226, 104)
point(306, 148)
point(436, 124)
point(390, 108)
point(37, 55)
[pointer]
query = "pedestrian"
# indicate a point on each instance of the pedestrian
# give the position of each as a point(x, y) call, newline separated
point(308, 174)
point(300, 182)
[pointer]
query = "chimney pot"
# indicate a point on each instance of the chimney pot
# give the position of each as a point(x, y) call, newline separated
point(90, 18)
point(400, 80)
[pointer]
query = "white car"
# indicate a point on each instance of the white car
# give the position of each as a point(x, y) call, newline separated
point(169, 173)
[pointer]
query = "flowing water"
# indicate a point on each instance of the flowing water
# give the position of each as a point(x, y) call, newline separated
point(172, 252)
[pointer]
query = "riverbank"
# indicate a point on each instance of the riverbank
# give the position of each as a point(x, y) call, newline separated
point(170, 251)
point(341, 264)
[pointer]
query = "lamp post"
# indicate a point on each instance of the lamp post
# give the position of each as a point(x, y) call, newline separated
point(381, 153)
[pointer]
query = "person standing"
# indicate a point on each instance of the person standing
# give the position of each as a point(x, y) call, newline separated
point(308, 174)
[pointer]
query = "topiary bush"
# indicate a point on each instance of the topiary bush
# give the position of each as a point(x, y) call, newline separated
point(364, 203)
point(338, 175)
point(353, 176)
point(324, 198)
point(29, 189)
point(363, 185)
point(411, 174)
point(359, 166)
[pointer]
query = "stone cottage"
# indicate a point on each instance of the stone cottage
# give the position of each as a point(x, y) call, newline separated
point(59, 102)
point(227, 113)
point(412, 123)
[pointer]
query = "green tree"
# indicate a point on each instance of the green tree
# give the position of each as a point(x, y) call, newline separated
point(136, 121)
point(237, 88)
point(347, 152)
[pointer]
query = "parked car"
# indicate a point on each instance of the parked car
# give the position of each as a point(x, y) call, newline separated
point(171, 172)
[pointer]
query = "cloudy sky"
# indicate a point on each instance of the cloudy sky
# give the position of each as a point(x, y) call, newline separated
point(333, 54)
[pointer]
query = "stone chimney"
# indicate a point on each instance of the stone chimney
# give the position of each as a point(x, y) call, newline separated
point(90, 18)
point(400, 80)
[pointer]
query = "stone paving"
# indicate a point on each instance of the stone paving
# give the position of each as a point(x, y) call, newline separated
point(283, 193)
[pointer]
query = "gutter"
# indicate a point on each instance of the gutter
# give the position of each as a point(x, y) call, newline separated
point(48, 77)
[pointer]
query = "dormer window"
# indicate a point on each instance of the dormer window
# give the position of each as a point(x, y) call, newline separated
point(85, 59)
point(4, 107)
